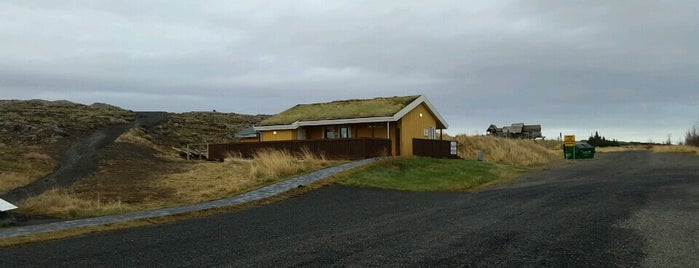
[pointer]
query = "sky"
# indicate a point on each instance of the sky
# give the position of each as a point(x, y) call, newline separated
point(627, 69)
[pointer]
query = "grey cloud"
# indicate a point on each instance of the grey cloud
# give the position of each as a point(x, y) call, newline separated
point(604, 65)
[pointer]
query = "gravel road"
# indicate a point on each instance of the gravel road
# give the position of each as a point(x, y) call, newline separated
point(622, 209)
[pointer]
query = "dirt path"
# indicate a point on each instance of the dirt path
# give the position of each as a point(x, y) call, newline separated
point(622, 209)
point(82, 159)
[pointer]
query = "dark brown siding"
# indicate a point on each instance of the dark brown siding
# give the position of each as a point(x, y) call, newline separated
point(331, 149)
point(433, 148)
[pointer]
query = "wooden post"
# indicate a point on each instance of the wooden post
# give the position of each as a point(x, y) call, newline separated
point(187, 152)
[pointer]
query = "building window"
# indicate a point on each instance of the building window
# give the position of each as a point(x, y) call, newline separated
point(345, 133)
point(329, 133)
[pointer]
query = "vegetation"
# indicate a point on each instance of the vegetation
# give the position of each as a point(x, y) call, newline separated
point(181, 129)
point(692, 137)
point(341, 109)
point(513, 152)
point(201, 182)
point(676, 149)
point(22, 165)
point(601, 141)
point(429, 174)
point(37, 122)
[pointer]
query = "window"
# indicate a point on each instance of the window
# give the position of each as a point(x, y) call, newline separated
point(345, 133)
point(329, 133)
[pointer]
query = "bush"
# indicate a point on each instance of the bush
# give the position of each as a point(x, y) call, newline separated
point(692, 137)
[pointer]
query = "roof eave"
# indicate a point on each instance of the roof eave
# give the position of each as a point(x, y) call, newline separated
point(441, 123)
point(346, 121)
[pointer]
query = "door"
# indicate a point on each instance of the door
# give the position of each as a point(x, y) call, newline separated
point(397, 141)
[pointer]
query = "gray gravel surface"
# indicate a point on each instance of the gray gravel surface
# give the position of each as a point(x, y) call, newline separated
point(622, 209)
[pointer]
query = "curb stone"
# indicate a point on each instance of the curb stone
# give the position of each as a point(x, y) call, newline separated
point(261, 193)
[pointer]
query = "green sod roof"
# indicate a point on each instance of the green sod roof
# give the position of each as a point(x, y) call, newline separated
point(345, 109)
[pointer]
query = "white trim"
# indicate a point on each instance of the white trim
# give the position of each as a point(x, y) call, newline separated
point(421, 99)
point(431, 108)
point(297, 124)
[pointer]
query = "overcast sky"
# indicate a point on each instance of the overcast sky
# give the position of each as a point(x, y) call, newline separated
point(629, 69)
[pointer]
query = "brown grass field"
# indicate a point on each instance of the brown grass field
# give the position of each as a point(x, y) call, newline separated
point(676, 149)
point(139, 175)
point(514, 152)
point(22, 165)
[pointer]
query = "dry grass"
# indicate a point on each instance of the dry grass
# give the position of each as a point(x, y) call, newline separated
point(621, 148)
point(676, 149)
point(135, 135)
point(20, 166)
point(63, 204)
point(32, 238)
point(515, 152)
point(209, 180)
point(204, 181)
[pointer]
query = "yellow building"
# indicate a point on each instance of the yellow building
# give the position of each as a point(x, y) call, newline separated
point(399, 119)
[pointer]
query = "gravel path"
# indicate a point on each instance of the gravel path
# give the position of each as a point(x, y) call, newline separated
point(625, 209)
point(81, 159)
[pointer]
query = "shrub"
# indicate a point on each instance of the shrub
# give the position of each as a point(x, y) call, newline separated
point(692, 137)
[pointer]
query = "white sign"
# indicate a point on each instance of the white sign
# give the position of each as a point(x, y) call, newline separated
point(5, 206)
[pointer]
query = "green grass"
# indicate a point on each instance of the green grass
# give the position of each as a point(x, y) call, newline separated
point(429, 174)
point(340, 110)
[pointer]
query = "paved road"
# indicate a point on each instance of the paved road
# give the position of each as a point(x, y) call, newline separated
point(622, 209)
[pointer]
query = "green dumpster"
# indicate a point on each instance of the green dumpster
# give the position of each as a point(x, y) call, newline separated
point(581, 150)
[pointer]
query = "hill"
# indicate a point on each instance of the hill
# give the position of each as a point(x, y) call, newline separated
point(40, 122)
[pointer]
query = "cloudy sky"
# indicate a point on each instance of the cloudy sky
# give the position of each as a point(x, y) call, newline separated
point(629, 69)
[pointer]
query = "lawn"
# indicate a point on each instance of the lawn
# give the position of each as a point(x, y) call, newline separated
point(429, 174)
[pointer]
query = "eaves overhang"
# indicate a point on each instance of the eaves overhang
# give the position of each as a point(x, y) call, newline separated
point(441, 123)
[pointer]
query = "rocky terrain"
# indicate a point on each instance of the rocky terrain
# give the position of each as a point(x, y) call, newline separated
point(44, 142)
point(40, 122)
point(181, 129)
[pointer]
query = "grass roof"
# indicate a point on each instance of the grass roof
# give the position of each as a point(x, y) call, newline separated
point(340, 110)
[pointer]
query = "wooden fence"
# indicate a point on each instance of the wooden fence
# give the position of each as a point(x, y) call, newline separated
point(434, 148)
point(331, 149)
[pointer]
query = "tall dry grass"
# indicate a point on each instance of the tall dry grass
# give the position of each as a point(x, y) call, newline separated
point(63, 204)
point(515, 152)
point(22, 166)
point(213, 180)
point(676, 149)
point(204, 181)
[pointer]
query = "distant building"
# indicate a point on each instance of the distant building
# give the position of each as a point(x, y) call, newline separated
point(517, 131)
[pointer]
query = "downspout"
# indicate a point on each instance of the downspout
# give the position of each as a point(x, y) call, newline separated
point(388, 129)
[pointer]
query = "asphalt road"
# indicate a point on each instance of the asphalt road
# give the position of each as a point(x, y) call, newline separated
point(621, 209)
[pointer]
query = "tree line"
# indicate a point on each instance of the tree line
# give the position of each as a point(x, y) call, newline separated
point(600, 141)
